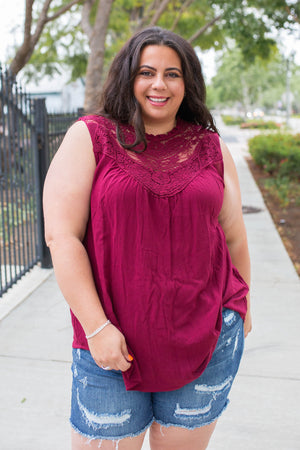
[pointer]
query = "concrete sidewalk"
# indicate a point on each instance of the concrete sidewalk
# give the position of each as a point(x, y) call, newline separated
point(35, 349)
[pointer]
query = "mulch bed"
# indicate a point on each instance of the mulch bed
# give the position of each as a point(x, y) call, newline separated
point(287, 219)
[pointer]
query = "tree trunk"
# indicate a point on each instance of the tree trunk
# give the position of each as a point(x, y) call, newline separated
point(96, 57)
point(21, 58)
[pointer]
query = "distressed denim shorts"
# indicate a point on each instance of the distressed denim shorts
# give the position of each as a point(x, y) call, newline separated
point(103, 409)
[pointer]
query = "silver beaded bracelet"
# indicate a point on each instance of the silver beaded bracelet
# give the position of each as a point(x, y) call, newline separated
point(98, 330)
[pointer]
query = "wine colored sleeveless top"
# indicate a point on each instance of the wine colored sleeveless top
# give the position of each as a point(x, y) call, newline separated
point(158, 253)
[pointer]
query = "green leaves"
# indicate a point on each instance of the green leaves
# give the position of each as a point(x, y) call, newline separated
point(261, 83)
point(217, 24)
point(278, 154)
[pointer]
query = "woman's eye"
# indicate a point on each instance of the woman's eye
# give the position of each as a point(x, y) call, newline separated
point(172, 75)
point(146, 73)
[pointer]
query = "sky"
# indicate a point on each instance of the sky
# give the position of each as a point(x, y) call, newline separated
point(11, 18)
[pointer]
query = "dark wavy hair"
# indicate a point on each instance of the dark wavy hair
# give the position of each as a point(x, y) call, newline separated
point(118, 101)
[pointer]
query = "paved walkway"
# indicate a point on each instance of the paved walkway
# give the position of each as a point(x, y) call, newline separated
point(35, 349)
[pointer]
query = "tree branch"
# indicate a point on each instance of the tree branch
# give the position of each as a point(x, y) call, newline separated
point(85, 18)
point(44, 18)
point(150, 8)
point(147, 14)
point(159, 12)
point(183, 8)
point(63, 10)
point(204, 28)
point(294, 16)
point(25, 51)
point(41, 22)
point(28, 20)
point(30, 39)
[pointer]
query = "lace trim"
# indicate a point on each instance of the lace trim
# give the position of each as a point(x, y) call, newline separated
point(170, 162)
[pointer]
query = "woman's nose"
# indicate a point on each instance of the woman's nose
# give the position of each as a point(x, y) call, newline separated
point(158, 82)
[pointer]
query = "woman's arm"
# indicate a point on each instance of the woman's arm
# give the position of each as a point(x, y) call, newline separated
point(67, 192)
point(232, 222)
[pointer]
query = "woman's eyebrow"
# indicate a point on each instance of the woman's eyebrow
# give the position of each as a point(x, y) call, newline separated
point(174, 68)
point(145, 66)
point(153, 68)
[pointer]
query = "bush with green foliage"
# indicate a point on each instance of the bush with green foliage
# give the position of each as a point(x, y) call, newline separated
point(283, 189)
point(232, 120)
point(261, 124)
point(278, 154)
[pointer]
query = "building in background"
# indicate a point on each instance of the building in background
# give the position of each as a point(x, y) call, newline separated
point(60, 96)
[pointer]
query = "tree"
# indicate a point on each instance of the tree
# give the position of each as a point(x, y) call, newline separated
point(33, 29)
point(261, 84)
point(202, 22)
point(97, 38)
point(121, 18)
point(107, 24)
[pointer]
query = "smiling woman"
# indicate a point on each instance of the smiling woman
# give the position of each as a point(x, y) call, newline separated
point(144, 220)
point(159, 88)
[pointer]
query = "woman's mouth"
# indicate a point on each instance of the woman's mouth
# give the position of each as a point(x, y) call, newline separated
point(158, 101)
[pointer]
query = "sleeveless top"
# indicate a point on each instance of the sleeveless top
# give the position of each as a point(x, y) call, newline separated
point(158, 253)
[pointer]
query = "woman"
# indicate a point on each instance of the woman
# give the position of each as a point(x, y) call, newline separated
point(144, 223)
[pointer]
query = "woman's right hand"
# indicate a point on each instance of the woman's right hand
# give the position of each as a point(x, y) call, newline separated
point(109, 349)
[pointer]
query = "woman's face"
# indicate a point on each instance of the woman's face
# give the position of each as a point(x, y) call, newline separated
point(159, 87)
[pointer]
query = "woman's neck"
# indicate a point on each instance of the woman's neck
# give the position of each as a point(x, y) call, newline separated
point(158, 128)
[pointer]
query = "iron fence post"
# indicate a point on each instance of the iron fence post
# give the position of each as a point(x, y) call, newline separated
point(41, 165)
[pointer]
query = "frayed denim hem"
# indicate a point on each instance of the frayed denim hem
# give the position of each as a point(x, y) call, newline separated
point(110, 438)
point(193, 427)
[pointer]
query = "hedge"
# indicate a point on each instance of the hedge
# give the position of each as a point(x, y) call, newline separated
point(268, 125)
point(232, 120)
point(278, 154)
point(261, 124)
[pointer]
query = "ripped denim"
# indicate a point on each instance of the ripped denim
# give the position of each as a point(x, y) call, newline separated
point(103, 409)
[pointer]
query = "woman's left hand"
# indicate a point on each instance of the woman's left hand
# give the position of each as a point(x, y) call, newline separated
point(247, 323)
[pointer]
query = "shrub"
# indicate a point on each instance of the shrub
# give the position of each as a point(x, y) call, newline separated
point(269, 125)
point(232, 120)
point(284, 190)
point(278, 154)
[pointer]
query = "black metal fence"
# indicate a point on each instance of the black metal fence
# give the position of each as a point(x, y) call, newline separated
point(29, 137)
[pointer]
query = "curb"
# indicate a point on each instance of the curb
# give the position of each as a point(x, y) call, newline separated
point(23, 289)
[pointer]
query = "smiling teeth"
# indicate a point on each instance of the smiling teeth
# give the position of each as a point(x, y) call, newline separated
point(158, 100)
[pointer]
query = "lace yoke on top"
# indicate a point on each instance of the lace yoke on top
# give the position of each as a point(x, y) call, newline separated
point(170, 161)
